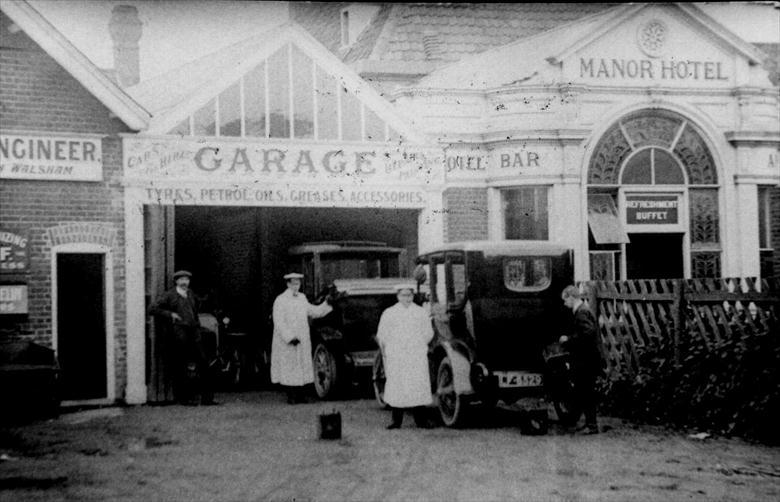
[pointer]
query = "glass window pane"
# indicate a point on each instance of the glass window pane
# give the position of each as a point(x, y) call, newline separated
point(394, 136)
point(279, 93)
point(183, 129)
point(327, 106)
point(525, 213)
point(350, 116)
point(441, 283)
point(375, 127)
point(667, 170)
point(230, 111)
point(204, 123)
point(254, 102)
point(637, 169)
point(303, 101)
point(764, 229)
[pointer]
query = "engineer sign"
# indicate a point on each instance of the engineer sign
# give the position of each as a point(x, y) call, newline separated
point(652, 209)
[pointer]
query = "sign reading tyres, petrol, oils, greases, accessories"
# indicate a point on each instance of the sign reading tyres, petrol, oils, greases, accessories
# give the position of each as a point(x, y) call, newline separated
point(652, 209)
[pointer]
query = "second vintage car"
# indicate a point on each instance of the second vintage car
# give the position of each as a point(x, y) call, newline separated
point(363, 275)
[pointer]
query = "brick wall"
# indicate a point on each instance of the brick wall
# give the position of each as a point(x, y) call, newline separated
point(465, 214)
point(37, 95)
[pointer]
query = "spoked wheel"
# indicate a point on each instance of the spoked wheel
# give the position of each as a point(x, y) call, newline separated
point(378, 378)
point(325, 372)
point(451, 404)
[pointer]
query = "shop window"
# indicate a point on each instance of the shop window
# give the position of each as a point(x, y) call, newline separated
point(704, 232)
point(525, 213)
point(288, 96)
point(351, 121)
point(327, 106)
point(604, 265)
point(230, 111)
point(303, 94)
point(375, 127)
point(254, 102)
point(183, 129)
point(204, 120)
point(765, 231)
point(279, 94)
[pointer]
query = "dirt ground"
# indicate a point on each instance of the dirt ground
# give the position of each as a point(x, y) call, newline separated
point(255, 447)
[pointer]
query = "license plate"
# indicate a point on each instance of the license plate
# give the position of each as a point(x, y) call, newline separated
point(518, 379)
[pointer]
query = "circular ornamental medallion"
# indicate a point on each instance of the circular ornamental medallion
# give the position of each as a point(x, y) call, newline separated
point(652, 37)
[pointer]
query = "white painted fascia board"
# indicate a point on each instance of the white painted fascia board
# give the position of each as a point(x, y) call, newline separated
point(75, 63)
point(752, 53)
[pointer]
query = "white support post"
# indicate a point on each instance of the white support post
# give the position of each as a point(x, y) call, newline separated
point(747, 215)
point(135, 392)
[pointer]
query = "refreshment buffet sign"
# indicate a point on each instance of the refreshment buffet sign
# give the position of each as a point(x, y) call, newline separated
point(192, 171)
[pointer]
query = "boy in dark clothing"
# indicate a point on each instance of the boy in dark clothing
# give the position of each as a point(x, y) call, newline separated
point(583, 345)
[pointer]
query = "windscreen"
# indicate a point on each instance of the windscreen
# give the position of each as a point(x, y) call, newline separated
point(526, 273)
point(349, 266)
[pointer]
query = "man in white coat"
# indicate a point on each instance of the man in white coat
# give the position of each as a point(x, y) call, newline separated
point(403, 334)
point(291, 364)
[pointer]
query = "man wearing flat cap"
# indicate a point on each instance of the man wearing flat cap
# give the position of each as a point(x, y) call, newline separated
point(403, 335)
point(291, 364)
point(187, 358)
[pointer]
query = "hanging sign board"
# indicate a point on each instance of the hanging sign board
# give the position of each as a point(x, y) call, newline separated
point(14, 255)
point(646, 209)
point(13, 299)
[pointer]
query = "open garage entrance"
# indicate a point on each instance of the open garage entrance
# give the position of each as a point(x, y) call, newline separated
point(238, 256)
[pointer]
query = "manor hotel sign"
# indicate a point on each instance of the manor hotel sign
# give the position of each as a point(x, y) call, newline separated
point(652, 69)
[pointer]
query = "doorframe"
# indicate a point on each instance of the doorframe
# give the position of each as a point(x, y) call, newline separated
point(108, 298)
point(682, 226)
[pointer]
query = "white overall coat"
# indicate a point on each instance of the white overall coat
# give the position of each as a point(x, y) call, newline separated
point(403, 335)
point(291, 364)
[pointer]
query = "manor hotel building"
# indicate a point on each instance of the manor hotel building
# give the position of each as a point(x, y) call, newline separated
point(642, 136)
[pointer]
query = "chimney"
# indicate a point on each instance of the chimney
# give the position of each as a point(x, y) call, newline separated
point(125, 29)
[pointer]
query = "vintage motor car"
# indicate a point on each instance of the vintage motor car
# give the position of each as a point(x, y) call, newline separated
point(363, 274)
point(495, 307)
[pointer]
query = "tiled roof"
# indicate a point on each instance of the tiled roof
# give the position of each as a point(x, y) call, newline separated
point(772, 62)
point(442, 32)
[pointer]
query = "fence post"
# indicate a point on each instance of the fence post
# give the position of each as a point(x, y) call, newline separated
point(678, 317)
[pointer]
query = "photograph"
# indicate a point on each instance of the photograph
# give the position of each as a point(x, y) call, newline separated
point(267, 251)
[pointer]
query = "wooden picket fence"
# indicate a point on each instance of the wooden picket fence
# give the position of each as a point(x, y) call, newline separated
point(642, 313)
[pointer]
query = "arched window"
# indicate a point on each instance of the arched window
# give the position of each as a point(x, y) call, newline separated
point(659, 147)
point(652, 166)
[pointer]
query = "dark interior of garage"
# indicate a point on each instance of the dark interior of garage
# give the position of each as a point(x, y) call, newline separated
point(239, 255)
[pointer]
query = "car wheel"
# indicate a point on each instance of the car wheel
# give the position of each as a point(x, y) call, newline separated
point(378, 378)
point(451, 404)
point(325, 372)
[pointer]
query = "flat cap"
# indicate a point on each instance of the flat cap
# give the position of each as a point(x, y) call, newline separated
point(181, 273)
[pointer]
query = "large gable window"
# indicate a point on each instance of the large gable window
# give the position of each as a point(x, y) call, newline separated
point(288, 96)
